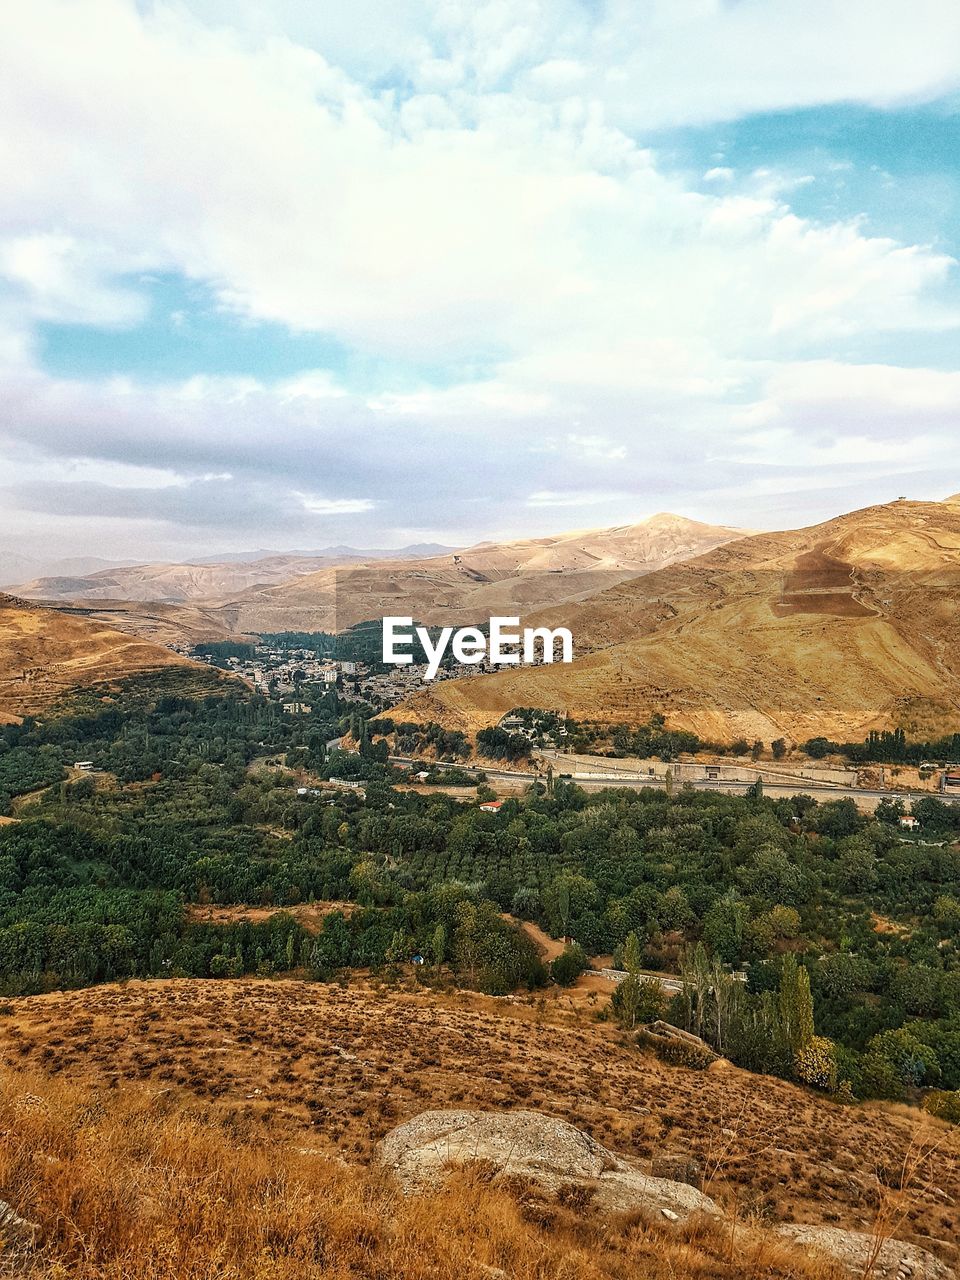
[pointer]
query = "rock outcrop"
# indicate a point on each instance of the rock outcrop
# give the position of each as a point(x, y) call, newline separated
point(862, 1253)
point(17, 1235)
point(525, 1144)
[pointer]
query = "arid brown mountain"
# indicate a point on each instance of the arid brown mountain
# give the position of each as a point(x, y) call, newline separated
point(172, 582)
point(189, 603)
point(44, 654)
point(204, 579)
point(835, 629)
point(160, 622)
point(476, 583)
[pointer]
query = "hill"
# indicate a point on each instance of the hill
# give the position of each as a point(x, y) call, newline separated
point(172, 583)
point(160, 1189)
point(329, 1071)
point(158, 621)
point(476, 583)
point(45, 654)
point(204, 579)
point(834, 629)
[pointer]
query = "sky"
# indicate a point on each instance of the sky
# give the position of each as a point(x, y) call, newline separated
point(277, 274)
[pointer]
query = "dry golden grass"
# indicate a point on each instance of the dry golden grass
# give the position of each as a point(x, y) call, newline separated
point(44, 654)
point(134, 1187)
point(334, 1069)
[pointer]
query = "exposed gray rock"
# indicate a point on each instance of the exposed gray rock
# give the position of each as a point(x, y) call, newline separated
point(676, 1166)
point(862, 1254)
point(17, 1235)
point(526, 1144)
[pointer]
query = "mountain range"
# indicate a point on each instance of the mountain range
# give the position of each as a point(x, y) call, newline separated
point(833, 629)
point(830, 630)
point(201, 578)
point(186, 603)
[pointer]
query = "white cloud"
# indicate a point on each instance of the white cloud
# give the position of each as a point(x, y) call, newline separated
point(574, 498)
point(460, 187)
point(334, 506)
point(596, 448)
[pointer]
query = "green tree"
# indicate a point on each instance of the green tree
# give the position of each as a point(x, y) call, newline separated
point(438, 946)
point(632, 953)
point(568, 965)
point(795, 1006)
point(637, 1000)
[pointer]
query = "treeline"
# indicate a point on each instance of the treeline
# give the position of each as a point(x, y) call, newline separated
point(412, 738)
point(69, 916)
point(889, 747)
point(221, 650)
point(450, 925)
point(498, 744)
point(363, 642)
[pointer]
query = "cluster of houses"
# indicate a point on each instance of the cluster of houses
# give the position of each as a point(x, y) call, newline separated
point(287, 670)
point(386, 688)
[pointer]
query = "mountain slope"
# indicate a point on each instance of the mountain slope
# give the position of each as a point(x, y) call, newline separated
point(170, 582)
point(834, 629)
point(335, 1069)
point(207, 578)
point(476, 583)
point(45, 653)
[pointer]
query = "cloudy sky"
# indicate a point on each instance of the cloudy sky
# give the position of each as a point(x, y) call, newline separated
point(281, 274)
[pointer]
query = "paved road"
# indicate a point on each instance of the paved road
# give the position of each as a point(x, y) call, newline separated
point(522, 774)
point(776, 790)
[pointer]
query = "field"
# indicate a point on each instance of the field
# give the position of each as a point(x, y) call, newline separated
point(333, 1068)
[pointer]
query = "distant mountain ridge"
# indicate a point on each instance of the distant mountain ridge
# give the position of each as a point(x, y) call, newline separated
point(202, 578)
point(293, 592)
point(476, 583)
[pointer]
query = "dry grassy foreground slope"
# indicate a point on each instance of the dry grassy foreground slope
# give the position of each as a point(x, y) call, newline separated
point(835, 629)
point(332, 1070)
point(45, 654)
point(139, 1186)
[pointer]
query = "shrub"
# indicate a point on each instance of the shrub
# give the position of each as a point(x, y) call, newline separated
point(569, 965)
point(677, 1053)
point(816, 1064)
point(945, 1104)
point(637, 1000)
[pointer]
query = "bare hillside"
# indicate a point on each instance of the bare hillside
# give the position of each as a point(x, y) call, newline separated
point(477, 583)
point(44, 654)
point(833, 629)
point(171, 582)
point(156, 620)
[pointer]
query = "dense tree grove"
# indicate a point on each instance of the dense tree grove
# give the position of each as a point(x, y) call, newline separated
point(889, 747)
point(815, 941)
